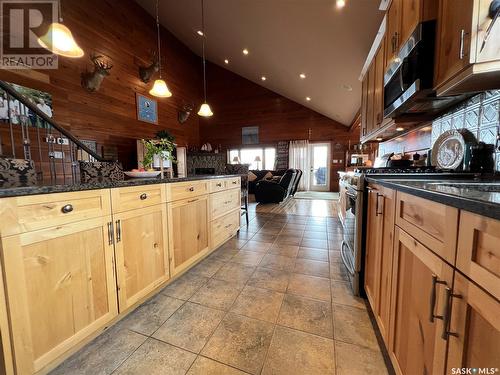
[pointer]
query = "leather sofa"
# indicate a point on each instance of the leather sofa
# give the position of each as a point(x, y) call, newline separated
point(260, 175)
point(277, 191)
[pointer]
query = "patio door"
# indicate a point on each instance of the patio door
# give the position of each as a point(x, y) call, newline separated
point(319, 157)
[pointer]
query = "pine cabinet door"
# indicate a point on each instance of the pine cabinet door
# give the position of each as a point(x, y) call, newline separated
point(419, 281)
point(392, 31)
point(474, 331)
point(189, 232)
point(61, 288)
point(141, 252)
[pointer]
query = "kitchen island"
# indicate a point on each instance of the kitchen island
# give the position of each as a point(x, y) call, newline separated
point(78, 257)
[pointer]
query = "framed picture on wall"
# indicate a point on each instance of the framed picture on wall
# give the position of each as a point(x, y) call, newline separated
point(250, 135)
point(147, 109)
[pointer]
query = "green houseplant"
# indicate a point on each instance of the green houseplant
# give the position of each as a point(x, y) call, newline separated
point(161, 147)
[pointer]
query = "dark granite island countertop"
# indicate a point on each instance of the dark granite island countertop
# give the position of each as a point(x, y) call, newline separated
point(45, 188)
point(478, 196)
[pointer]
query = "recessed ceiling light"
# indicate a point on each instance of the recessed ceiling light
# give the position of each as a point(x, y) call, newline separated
point(245, 51)
point(302, 75)
point(263, 78)
point(400, 129)
point(226, 61)
point(379, 139)
point(199, 32)
point(340, 3)
point(347, 87)
point(308, 98)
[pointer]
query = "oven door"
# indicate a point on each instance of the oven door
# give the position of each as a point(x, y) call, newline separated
point(348, 253)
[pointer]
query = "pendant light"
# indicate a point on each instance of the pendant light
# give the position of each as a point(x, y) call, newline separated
point(160, 88)
point(59, 40)
point(205, 110)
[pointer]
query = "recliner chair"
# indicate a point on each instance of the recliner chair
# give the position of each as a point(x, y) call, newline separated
point(297, 181)
point(276, 192)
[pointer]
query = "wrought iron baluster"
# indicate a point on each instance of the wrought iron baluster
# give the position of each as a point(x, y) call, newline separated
point(11, 130)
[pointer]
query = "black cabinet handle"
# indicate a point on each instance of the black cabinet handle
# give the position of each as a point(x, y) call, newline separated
point(432, 306)
point(143, 196)
point(66, 209)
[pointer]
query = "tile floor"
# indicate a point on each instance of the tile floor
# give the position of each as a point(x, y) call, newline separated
point(274, 300)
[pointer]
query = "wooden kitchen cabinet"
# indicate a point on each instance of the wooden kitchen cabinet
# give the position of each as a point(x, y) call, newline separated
point(392, 33)
point(416, 345)
point(370, 125)
point(463, 64)
point(379, 254)
point(474, 331)
point(364, 106)
point(378, 86)
point(141, 246)
point(60, 287)
point(188, 223)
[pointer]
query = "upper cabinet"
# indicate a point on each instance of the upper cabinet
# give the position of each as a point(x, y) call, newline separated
point(468, 53)
point(393, 21)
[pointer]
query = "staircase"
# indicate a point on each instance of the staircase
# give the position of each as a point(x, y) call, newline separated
point(27, 132)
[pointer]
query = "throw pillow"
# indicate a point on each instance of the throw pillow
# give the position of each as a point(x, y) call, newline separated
point(268, 176)
point(251, 176)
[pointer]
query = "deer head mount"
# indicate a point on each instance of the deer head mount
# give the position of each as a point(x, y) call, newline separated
point(147, 72)
point(184, 113)
point(91, 81)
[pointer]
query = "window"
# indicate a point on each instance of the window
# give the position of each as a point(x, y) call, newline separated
point(258, 158)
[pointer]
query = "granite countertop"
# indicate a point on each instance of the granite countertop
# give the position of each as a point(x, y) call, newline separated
point(478, 196)
point(45, 188)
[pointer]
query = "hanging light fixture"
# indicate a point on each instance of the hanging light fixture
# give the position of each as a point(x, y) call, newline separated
point(160, 88)
point(205, 110)
point(59, 40)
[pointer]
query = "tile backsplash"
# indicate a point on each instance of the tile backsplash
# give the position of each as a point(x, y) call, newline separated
point(480, 115)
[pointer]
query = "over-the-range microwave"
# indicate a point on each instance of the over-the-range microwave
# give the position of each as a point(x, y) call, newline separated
point(408, 81)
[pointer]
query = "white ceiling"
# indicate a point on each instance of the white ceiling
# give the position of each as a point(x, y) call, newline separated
point(284, 38)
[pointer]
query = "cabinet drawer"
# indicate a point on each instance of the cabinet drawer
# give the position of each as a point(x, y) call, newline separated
point(217, 185)
point(183, 190)
point(134, 197)
point(434, 224)
point(225, 227)
point(223, 202)
point(29, 213)
point(478, 254)
point(233, 182)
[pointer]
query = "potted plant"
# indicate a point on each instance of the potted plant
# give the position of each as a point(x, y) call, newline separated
point(161, 148)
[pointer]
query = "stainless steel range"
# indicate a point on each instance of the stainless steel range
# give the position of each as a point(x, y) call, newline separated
point(352, 210)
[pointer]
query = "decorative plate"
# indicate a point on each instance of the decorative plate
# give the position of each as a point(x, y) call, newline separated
point(448, 150)
point(147, 174)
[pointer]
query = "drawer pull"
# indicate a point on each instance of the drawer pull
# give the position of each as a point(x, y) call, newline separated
point(192, 200)
point(447, 314)
point(228, 226)
point(143, 196)
point(219, 184)
point(118, 230)
point(191, 188)
point(432, 306)
point(110, 233)
point(66, 209)
point(235, 182)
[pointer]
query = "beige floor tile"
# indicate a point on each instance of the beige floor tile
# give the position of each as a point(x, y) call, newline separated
point(157, 358)
point(104, 354)
point(352, 325)
point(185, 286)
point(278, 262)
point(313, 254)
point(218, 294)
point(284, 249)
point(240, 342)
point(233, 244)
point(310, 286)
point(258, 303)
point(312, 267)
point(270, 279)
point(317, 244)
point(223, 255)
point(235, 272)
point(356, 360)
point(190, 327)
point(261, 247)
point(206, 366)
point(299, 353)
point(307, 315)
point(148, 317)
point(338, 271)
point(207, 267)
point(249, 258)
point(342, 294)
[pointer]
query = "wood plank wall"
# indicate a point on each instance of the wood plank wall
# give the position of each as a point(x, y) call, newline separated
point(238, 102)
point(124, 32)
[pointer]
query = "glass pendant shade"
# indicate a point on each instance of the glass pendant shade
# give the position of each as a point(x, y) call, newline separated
point(60, 41)
point(160, 89)
point(205, 110)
